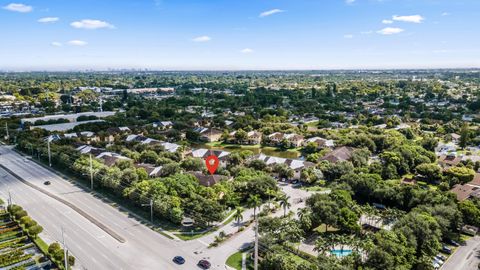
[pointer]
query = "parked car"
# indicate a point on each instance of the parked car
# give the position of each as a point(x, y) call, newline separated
point(453, 243)
point(178, 260)
point(204, 264)
point(46, 183)
point(294, 181)
point(441, 257)
point(437, 260)
point(447, 250)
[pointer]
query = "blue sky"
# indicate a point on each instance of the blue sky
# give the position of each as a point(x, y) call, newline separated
point(242, 34)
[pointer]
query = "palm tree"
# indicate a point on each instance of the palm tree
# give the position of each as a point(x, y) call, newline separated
point(270, 193)
point(254, 202)
point(302, 213)
point(285, 204)
point(238, 216)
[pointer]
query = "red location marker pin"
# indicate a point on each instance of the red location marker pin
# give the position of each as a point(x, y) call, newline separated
point(212, 163)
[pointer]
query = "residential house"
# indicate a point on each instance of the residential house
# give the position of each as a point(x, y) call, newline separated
point(163, 125)
point(275, 138)
point(296, 165)
point(320, 142)
point(204, 153)
point(152, 171)
point(294, 139)
point(253, 137)
point(209, 134)
point(468, 190)
point(209, 180)
point(455, 138)
point(87, 149)
point(449, 160)
point(110, 158)
point(343, 153)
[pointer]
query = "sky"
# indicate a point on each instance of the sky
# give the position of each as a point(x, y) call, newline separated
point(238, 34)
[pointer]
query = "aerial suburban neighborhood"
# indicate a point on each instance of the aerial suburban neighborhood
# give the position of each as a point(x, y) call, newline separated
point(247, 135)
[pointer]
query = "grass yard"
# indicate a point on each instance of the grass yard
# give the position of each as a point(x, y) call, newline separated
point(235, 261)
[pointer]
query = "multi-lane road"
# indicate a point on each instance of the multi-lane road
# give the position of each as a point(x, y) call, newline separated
point(93, 247)
point(109, 238)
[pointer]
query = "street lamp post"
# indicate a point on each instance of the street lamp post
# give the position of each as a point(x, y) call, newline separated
point(49, 153)
point(151, 209)
point(91, 173)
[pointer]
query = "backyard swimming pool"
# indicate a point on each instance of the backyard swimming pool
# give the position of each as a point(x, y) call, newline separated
point(341, 253)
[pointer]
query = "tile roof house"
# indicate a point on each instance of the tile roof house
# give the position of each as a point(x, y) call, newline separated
point(204, 153)
point(320, 142)
point(449, 160)
point(110, 158)
point(210, 134)
point(87, 149)
point(468, 190)
point(253, 137)
point(152, 171)
point(296, 165)
point(294, 139)
point(455, 137)
point(163, 125)
point(208, 180)
point(343, 153)
point(169, 147)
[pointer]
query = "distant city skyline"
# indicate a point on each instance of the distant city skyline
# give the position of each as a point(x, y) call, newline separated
point(238, 35)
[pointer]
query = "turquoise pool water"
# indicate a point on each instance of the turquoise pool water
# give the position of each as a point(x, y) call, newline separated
point(341, 253)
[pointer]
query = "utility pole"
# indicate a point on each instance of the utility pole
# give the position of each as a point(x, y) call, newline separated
point(91, 173)
point(151, 209)
point(65, 253)
point(49, 153)
point(255, 264)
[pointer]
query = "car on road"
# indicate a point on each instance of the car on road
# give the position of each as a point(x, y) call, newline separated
point(178, 260)
point(204, 264)
point(46, 183)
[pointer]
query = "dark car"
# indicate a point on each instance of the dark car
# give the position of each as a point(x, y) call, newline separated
point(46, 183)
point(179, 260)
point(446, 250)
point(453, 243)
point(204, 264)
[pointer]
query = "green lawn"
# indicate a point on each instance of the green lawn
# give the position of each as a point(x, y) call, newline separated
point(235, 261)
point(321, 229)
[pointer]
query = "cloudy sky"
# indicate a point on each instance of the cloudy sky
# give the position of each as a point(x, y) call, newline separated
point(243, 34)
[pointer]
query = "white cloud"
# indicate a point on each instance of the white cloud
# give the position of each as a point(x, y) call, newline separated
point(366, 32)
point(387, 21)
point(48, 20)
point(202, 39)
point(246, 50)
point(56, 44)
point(270, 12)
point(410, 18)
point(91, 24)
point(390, 31)
point(77, 43)
point(445, 14)
point(348, 36)
point(349, 1)
point(18, 7)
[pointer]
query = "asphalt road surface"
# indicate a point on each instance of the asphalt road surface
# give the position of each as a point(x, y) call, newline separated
point(465, 257)
point(92, 246)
